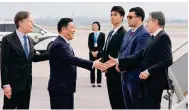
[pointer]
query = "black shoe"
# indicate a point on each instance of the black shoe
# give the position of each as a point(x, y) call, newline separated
point(99, 86)
point(93, 86)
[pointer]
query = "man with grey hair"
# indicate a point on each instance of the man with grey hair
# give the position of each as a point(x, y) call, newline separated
point(16, 65)
point(154, 59)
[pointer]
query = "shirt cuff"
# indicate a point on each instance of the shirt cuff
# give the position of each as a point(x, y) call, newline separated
point(117, 61)
point(7, 85)
point(93, 66)
point(147, 71)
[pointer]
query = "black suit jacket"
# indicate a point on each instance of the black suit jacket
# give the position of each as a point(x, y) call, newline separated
point(100, 42)
point(63, 71)
point(16, 69)
point(156, 58)
point(112, 50)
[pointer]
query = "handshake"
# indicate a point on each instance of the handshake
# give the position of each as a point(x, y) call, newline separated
point(104, 66)
point(113, 62)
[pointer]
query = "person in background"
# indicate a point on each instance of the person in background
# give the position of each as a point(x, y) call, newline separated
point(96, 42)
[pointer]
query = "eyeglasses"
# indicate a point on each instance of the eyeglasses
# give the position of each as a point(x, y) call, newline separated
point(131, 17)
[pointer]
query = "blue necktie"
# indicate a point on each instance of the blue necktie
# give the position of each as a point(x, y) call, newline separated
point(26, 46)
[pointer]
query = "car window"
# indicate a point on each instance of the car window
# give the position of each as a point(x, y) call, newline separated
point(36, 29)
point(2, 27)
point(10, 27)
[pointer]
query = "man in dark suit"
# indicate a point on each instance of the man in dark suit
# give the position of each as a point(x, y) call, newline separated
point(96, 42)
point(154, 60)
point(135, 40)
point(16, 66)
point(112, 46)
point(63, 73)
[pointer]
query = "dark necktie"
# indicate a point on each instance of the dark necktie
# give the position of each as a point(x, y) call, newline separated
point(149, 44)
point(26, 46)
point(131, 34)
point(153, 36)
point(109, 39)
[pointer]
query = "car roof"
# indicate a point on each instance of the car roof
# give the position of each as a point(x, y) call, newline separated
point(6, 22)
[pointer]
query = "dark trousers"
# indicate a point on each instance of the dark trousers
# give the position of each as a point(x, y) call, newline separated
point(115, 93)
point(92, 74)
point(152, 98)
point(133, 94)
point(61, 100)
point(19, 100)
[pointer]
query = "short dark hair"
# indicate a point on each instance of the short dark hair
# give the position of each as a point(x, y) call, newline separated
point(20, 16)
point(96, 22)
point(63, 23)
point(159, 16)
point(118, 9)
point(138, 11)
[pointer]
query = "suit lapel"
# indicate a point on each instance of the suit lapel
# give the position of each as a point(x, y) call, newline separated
point(31, 47)
point(62, 39)
point(18, 44)
point(127, 40)
point(98, 37)
point(113, 37)
point(149, 47)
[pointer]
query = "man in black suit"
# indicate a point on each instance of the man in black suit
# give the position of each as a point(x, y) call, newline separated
point(112, 46)
point(16, 66)
point(96, 42)
point(154, 59)
point(63, 63)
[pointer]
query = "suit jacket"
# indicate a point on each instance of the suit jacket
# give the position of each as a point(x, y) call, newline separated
point(112, 50)
point(63, 72)
point(16, 69)
point(156, 58)
point(131, 46)
point(100, 42)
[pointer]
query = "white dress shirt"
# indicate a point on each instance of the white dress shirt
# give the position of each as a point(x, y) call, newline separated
point(116, 29)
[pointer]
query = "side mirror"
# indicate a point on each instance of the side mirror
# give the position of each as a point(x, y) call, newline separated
point(43, 32)
point(36, 39)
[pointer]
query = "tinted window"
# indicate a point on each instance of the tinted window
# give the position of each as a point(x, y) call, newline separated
point(2, 27)
point(10, 27)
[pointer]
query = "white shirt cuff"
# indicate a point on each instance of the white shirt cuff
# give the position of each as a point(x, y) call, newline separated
point(93, 66)
point(7, 85)
point(147, 71)
point(117, 61)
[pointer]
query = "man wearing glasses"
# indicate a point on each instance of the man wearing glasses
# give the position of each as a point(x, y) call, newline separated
point(134, 40)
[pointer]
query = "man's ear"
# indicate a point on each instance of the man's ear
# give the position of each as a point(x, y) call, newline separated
point(156, 21)
point(63, 29)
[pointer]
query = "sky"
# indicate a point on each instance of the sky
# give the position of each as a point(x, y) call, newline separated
point(174, 10)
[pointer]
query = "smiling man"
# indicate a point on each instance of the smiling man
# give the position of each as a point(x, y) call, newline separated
point(63, 63)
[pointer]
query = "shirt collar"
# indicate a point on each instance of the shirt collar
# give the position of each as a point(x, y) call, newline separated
point(157, 32)
point(134, 30)
point(98, 32)
point(65, 39)
point(116, 29)
point(20, 34)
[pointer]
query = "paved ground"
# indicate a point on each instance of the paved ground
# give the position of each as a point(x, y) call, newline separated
point(86, 97)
